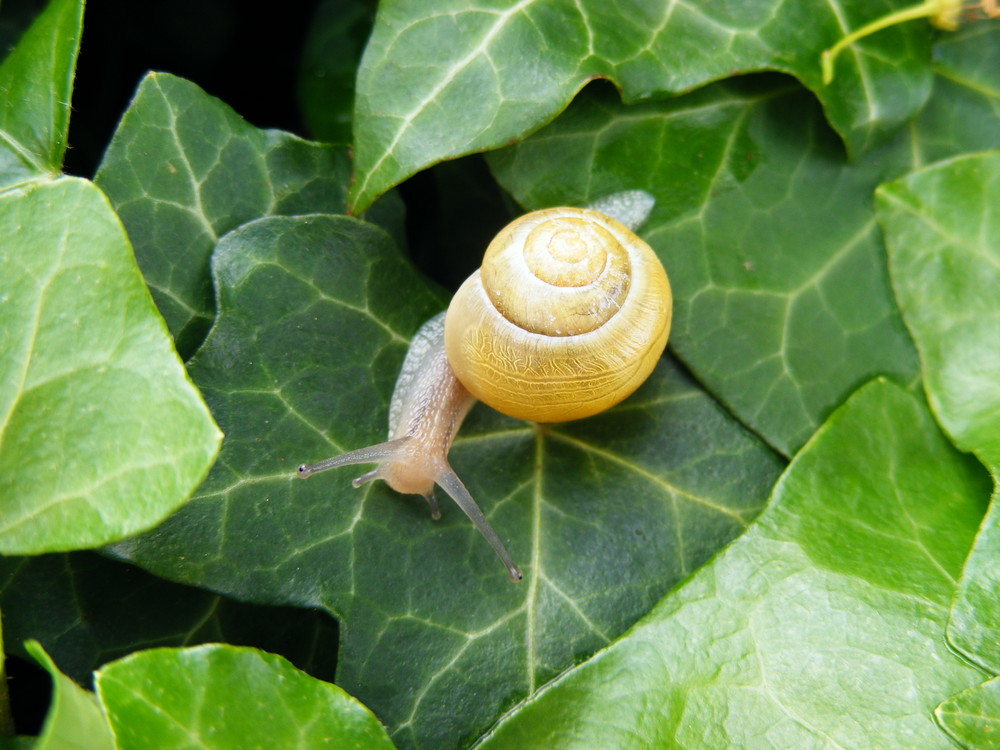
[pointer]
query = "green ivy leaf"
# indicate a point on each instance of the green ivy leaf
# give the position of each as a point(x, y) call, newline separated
point(782, 300)
point(972, 718)
point(942, 226)
point(74, 719)
point(226, 698)
point(36, 83)
point(86, 371)
point(822, 626)
point(183, 169)
point(603, 515)
point(86, 609)
point(447, 78)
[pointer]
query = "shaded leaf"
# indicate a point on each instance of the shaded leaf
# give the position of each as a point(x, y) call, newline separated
point(603, 515)
point(14, 21)
point(183, 169)
point(337, 35)
point(942, 225)
point(447, 78)
point(820, 627)
point(225, 697)
point(6, 718)
point(74, 721)
point(86, 610)
point(101, 433)
point(36, 83)
point(972, 718)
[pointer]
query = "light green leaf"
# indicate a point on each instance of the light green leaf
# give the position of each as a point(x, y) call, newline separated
point(604, 515)
point(974, 629)
point(183, 169)
point(972, 718)
point(101, 433)
point(942, 225)
point(220, 697)
point(821, 627)
point(449, 77)
point(36, 83)
point(74, 721)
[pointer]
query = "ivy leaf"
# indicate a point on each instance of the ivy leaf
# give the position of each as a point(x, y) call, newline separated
point(447, 78)
point(183, 169)
point(227, 698)
point(832, 605)
point(74, 719)
point(73, 605)
point(782, 300)
point(603, 516)
point(962, 114)
point(972, 718)
point(86, 369)
point(36, 83)
point(942, 226)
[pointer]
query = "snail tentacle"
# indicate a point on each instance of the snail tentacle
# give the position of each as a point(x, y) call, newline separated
point(451, 484)
point(370, 454)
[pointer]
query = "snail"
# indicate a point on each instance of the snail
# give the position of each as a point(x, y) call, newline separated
point(567, 316)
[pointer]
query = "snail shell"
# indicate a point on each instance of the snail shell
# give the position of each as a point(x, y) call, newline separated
point(567, 316)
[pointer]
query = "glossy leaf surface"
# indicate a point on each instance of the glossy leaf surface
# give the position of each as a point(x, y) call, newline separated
point(36, 83)
point(226, 698)
point(942, 226)
point(972, 718)
point(822, 626)
point(86, 367)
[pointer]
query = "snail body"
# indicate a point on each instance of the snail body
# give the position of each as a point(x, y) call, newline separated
point(567, 317)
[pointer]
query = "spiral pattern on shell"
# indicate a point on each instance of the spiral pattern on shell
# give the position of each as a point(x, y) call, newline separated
point(567, 316)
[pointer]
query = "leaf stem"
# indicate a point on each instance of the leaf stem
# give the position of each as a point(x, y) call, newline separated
point(943, 12)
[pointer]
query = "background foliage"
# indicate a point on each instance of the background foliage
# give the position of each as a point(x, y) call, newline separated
point(784, 539)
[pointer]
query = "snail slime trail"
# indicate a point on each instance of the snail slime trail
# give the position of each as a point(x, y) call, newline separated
point(567, 316)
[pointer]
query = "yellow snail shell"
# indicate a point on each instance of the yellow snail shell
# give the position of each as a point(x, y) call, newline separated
point(567, 316)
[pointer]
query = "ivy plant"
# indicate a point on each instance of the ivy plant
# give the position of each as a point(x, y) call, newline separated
point(788, 537)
